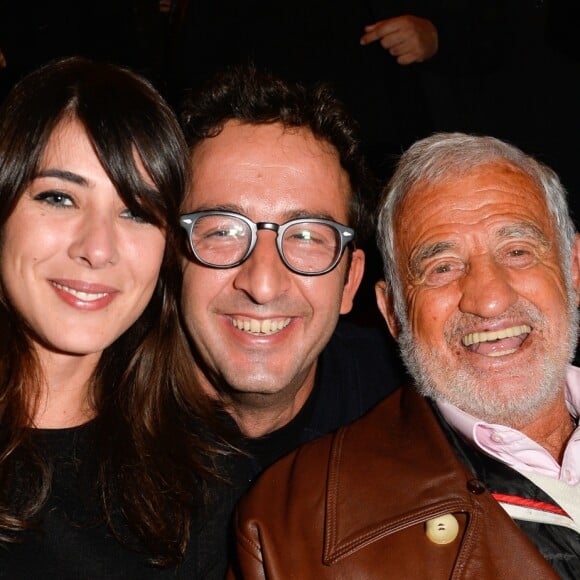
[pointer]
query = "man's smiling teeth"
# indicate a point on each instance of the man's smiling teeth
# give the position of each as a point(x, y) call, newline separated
point(477, 337)
point(85, 296)
point(267, 326)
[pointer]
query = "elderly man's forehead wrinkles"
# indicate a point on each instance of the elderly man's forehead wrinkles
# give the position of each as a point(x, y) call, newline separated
point(425, 252)
point(524, 230)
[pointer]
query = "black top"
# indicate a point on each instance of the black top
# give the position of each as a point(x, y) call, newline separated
point(72, 541)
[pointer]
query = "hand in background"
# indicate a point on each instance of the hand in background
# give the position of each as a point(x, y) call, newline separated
point(407, 38)
point(164, 6)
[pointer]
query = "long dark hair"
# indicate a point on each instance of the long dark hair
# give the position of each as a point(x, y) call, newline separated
point(154, 446)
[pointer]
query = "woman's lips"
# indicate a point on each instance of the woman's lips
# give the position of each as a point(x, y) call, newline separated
point(84, 295)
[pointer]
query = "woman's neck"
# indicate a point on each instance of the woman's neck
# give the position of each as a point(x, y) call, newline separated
point(64, 400)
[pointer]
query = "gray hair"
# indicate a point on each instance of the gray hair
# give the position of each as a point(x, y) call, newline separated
point(443, 156)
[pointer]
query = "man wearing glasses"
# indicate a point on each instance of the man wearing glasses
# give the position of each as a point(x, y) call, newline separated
point(273, 216)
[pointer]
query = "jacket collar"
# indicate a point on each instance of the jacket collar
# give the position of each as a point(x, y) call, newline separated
point(423, 477)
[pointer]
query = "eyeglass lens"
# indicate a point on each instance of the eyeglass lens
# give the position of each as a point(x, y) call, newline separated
point(223, 240)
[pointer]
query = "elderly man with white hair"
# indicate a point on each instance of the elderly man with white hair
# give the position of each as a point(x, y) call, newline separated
point(474, 472)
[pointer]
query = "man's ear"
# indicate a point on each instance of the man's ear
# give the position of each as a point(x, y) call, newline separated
point(353, 280)
point(576, 268)
point(385, 304)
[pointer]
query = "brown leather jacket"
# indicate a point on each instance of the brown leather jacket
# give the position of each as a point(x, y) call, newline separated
point(355, 504)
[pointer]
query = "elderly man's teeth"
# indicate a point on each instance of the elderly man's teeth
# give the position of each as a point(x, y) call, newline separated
point(254, 326)
point(477, 337)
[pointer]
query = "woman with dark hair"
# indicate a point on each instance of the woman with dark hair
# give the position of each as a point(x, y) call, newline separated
point(106, 445)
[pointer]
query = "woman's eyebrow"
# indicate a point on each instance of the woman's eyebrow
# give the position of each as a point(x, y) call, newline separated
point(65, 175)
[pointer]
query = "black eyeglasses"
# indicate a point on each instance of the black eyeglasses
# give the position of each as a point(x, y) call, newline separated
point(308, 246)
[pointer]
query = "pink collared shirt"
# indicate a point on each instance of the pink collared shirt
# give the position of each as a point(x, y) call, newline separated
point(516, 449)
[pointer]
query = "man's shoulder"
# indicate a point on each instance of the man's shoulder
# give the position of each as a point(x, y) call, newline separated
point(402, 427)
point(400, 431)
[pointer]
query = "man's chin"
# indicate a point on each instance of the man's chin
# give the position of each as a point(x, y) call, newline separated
point(253, 384)
point(504, 402)
point(502, 395)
